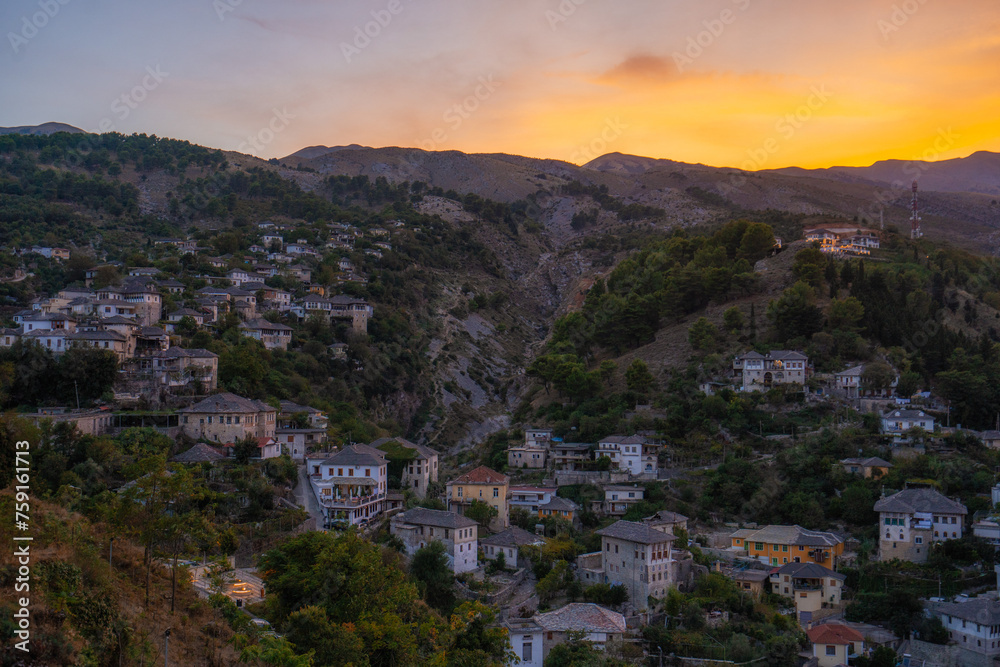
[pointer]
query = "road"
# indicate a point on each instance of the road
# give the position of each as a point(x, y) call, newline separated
point(305, 497)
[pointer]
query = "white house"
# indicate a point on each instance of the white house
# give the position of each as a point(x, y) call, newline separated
point(530, 498)
point(973, 626)
point(911, 520)
point(533, 639)
point(758, 372)
point(507, 543)
point(896, 423)
point(351, 484)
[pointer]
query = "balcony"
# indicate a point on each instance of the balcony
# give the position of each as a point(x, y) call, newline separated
point(357, 501)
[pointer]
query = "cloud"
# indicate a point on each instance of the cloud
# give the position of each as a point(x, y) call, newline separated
point(641, 68)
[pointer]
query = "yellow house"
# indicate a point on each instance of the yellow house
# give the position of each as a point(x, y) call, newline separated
point(484, 485)
point(562, 508)
point(867, 468)
point(833, 644)
point(780, 545)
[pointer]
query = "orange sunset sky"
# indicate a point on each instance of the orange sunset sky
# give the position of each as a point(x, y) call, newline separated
point(747, 83)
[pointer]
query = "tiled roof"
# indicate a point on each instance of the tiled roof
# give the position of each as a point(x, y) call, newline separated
point(425, 453)
point(481, 475)
point(792, 535)
point(834, 633)
point(871, 462)
point(200, 453)
point(665, 516)
point(909, 501)
point(226, 402)
point(808, 571)
point(905, 414)
point(96, 335)
point(631, 531)
point(982, 610)
point(559, 505)
point(513, 536)
point(357, 455)
point(263, 325)
point(426, 517)
point(583, 617)
point(624, 439)
point(180, 352)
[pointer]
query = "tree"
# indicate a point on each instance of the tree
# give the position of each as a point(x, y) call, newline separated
point(733, 321)
point(482, 513)
point(276, 651)
point(638, 379)
point(877, 376)
point(757, 242)
point(794, 314)
point(430, 568)
point(846, 314)
point(909, 384)
point(607, 595)
point(556, 580)
point(245, 449)
point(310, 631)
point(703, 335)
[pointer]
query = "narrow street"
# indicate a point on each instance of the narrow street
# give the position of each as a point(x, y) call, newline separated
point(306, 498)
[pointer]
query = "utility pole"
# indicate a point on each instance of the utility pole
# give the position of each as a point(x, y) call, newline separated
point(77, 386)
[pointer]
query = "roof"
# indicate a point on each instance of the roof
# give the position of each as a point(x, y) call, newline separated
point(560, 505)
point(792, 535)
point(200, 453)
point(582, 616)
point(357, 455)
point(632, 531)
point(227, 402)
point(906, 414)
point(264, 325)
point(288, 407)
point(422, 452)
point(481, 475)
point(96, 335)
point(180, 352)
point(990, 435)
point(982, 610)
point(513, 536)
point(624, 439)
point(855, 370)
point(834, 633)
point(870, 462)
point(787, 355)
point(426, 517)
point(808, 571)
point(665, 516)
point(909, 501)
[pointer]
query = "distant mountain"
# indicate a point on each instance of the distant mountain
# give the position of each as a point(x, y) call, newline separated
point(622, 163)
point(311, 152)
point(44, 128)
point(979, 172)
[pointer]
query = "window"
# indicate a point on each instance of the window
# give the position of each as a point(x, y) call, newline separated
point(759, 546)
point(496, 493)
point(368, 472)
point(918, 540)
point(526, 651)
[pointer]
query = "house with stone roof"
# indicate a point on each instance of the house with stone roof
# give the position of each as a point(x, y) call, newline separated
point(274, 336)
point(507, 543)
point(810, 586)
point(199, 453)
point(868, 468)
point(897, 423)
point(300, 427)
point(633, 555)
point(351, 484)
point(227, 418)
point(913, 519)
point(560, 508)
point(835, 644)
point(485, 485)
point(759, 372)
point(420, 472)
point(178, 367)
point(973, 626)
point(532, 639)
point(779, 545)
point(419, 527)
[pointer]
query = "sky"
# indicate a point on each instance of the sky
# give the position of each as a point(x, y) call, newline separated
point(754, 84)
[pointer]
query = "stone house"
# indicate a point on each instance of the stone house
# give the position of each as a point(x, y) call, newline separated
point(226, 418)
point(419, 527)
point(913, 519)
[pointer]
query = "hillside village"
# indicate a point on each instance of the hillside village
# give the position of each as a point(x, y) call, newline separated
point(804, 493)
